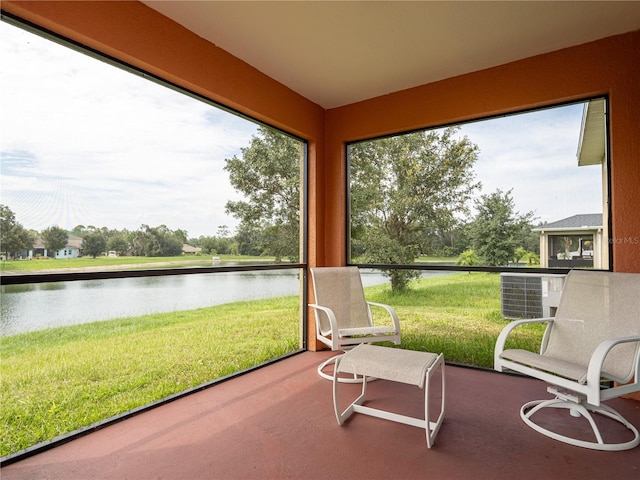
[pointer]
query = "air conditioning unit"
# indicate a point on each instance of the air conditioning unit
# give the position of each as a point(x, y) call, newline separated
point(530, 295)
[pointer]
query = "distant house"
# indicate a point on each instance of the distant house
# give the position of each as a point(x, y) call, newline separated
point(71, 250)
point(189, 250)
point(576, 241)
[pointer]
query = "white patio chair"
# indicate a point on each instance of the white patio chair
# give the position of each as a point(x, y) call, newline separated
point(344, 318)
point(590, 353)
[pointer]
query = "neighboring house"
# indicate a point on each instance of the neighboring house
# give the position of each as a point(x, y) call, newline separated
point(189, 250)
point(71, 250)
point(576, 241)
point(582, 240)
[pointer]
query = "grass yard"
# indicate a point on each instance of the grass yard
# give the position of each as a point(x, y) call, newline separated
point(458, 315)
point(49, 264)
point(59, 380)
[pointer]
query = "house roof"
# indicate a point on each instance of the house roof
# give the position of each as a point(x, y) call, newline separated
point(591, 147)
point(189, 249)
point(73, 241)
point(585, 221)
point(342, 52)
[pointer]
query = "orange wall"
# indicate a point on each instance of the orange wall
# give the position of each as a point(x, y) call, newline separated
point(609, 66)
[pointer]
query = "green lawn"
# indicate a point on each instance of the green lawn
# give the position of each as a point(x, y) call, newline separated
point(129, 262)
point(136, 262)
point(431, 259)
point(59, 380)
point(456, 314)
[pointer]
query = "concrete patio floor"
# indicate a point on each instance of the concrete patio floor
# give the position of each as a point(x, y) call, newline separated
point(278, 422)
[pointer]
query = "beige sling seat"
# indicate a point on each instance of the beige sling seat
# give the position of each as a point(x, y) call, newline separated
point(590, 352)
point(344, 318)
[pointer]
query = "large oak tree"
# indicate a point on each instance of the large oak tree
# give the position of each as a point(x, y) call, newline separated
point(402, 187)
point(268, 175)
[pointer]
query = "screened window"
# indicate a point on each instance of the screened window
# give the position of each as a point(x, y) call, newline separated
point(490, 193)
point(120, 163)
point(151, 240)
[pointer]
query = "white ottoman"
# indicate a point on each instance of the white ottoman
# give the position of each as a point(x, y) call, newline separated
point(397, 365)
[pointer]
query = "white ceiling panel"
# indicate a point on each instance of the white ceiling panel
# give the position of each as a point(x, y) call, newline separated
point(335, 53)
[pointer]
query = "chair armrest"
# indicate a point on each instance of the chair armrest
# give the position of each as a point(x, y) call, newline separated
point(504, 334)
point(391, 312)
point(594, 371)
point(330, 315)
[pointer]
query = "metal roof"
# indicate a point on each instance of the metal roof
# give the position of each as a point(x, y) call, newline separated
point(585, 221)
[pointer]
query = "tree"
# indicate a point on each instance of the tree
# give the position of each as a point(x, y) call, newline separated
point(223, 241)
point(468, 257)
point(268, 175)
point(94, 244)
point(249, 239)
point(208, 244)
point(446, 242)
point(497, 230)
point(14, 237)
point(158, 241)
point(223, 232)
point(79, 230)
point(118, 243)
point(180, 235)
point(54, 239)
point(140, 241)
point(530, 258)
point(405, 186)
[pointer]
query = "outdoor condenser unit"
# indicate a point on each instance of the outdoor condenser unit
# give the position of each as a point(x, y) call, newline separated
point(530, 295)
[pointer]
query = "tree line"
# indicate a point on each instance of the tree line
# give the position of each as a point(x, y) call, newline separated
point(146, 241)
point(410, 195)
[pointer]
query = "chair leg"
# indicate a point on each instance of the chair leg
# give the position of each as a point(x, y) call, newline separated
point(432, 428)
point(342, 417)
point(580, 410)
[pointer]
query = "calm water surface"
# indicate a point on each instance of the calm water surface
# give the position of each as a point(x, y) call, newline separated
point(33, 307)
point(26, 308)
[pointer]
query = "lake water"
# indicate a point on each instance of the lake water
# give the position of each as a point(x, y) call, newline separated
point(26, 308)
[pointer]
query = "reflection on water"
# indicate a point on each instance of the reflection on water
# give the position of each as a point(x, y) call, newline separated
point(26, 308)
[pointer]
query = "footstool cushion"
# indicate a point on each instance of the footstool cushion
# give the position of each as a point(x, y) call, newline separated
point(393, 364)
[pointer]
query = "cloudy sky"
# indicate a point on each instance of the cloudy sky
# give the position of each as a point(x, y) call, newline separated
point(85, 143)
point(535, 155)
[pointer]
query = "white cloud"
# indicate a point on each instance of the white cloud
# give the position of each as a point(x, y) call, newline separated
point(534, 154)
point(86, 143)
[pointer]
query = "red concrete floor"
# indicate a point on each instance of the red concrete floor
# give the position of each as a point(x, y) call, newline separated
point(278, 422)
